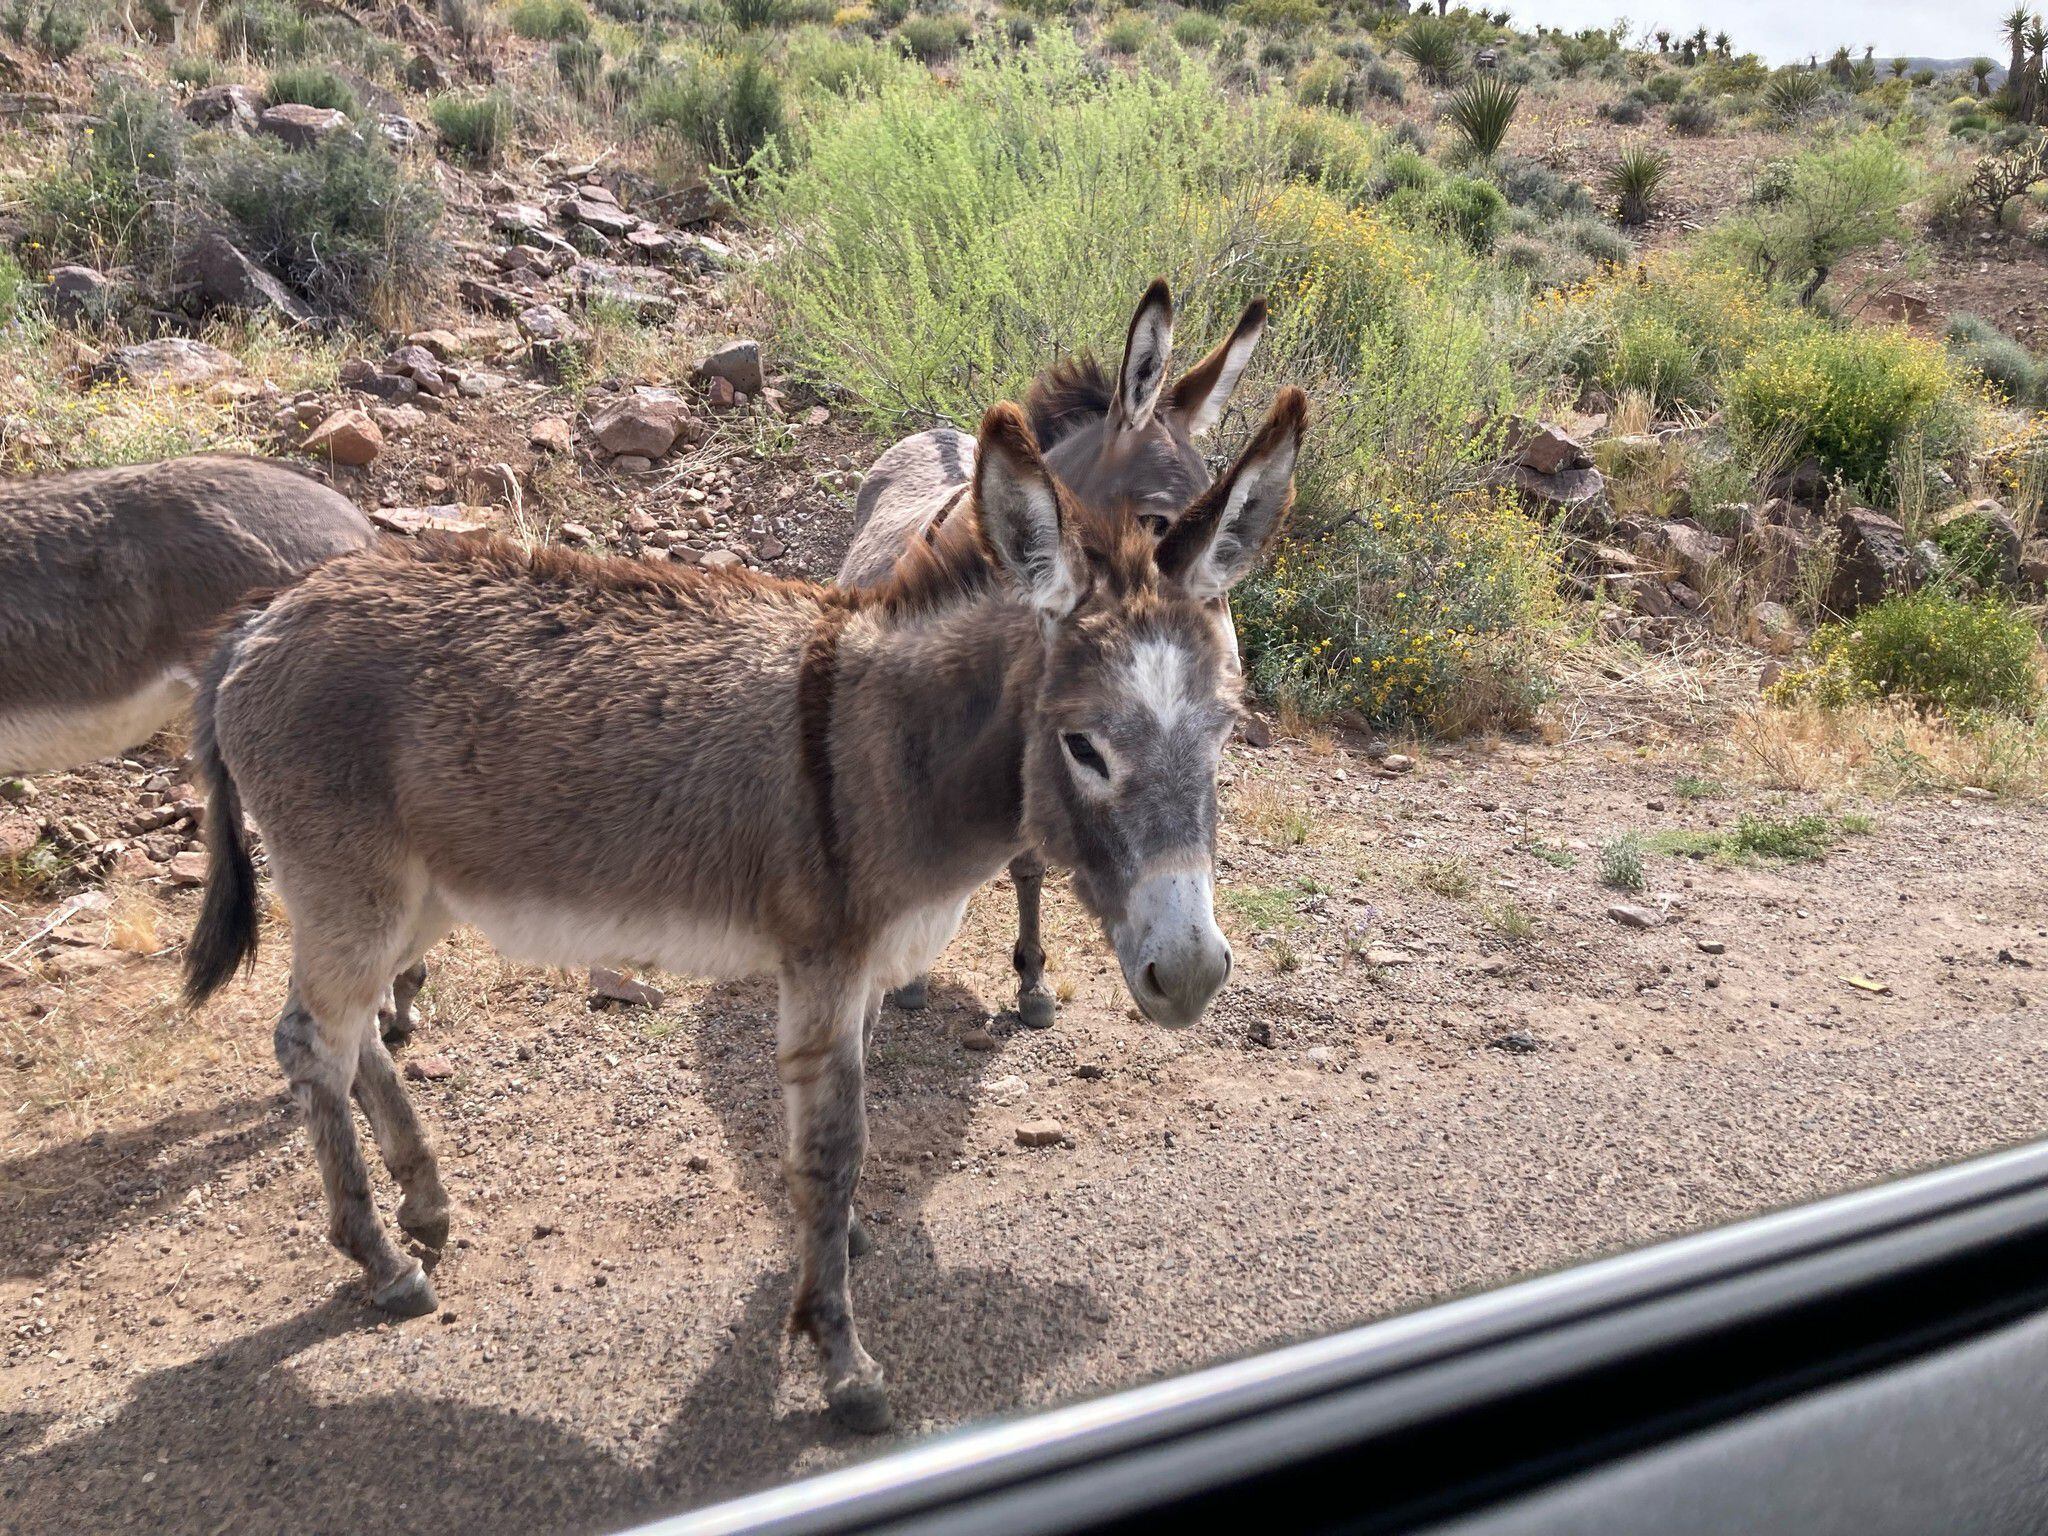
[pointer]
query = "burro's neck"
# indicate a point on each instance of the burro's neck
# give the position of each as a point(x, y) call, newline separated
point(930, 719)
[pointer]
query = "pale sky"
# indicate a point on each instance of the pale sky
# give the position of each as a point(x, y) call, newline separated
point(1786, 33)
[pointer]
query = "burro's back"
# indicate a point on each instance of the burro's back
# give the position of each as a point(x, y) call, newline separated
point(112, 582)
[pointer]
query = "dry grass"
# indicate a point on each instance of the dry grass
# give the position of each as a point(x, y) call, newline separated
point(1272, 816)
point(1892, 750)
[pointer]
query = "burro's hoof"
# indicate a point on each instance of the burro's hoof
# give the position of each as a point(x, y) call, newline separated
point(430, 1232)
point(395, 1027)
point(1037, 1009)
point(859, 1241)
point(410, 1295)
point(912, 998)
point(861, 1405)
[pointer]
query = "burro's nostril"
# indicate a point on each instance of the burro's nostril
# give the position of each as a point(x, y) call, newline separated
point(1152, 979)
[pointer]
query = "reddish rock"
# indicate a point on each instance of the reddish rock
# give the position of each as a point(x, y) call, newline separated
point(550, 435)
point(346, 437)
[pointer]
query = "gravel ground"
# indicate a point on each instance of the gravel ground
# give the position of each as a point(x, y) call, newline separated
point(1404, 1094)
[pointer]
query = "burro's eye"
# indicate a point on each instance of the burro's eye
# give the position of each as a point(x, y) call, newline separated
point(1082, 751)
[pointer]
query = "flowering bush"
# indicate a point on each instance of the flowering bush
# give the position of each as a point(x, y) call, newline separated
point(1430, 614)
point(1849, 397)
point(1929, 649)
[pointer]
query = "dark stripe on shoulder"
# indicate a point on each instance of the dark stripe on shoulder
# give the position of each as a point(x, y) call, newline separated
point(817, 680)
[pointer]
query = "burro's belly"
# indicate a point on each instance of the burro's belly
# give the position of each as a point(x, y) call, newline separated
point(37, 738)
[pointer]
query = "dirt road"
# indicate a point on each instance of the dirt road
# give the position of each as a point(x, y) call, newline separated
point(1442, 1063)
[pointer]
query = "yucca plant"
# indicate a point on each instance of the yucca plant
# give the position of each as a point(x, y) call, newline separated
point(1436, 46)
point(1792, 93)
point(1482, 111)
point(1634, 181)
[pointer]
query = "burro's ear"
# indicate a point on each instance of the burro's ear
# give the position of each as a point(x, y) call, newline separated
point(1017, 503)
point(1222, 535)
point(1147, 351)
point(1205, 389)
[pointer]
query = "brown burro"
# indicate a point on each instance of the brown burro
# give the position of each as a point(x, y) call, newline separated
point(112, 582)
point(603, 761)
point(1131, 445)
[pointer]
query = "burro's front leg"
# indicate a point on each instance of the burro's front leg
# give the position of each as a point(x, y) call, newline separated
point(819, 1056)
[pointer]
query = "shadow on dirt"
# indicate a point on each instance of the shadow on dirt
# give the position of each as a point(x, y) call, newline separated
point(62, 1197)
point(232, 1441)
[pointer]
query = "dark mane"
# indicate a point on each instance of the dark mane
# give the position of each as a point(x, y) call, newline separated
point(1066, 397)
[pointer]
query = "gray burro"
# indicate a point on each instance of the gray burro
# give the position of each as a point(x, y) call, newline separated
point(113, 581)
point(721, 773)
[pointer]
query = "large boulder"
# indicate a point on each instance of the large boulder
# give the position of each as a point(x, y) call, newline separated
point(1689, 550)
point(80, 293)
point(301, 126)
point(646, 423)
point(223, 277)
point(1546, 448)
point(234, 107)
point(174, 361)
point(1872, 560)
point(738, 362)
point(1776, 554)
point(1577, 495)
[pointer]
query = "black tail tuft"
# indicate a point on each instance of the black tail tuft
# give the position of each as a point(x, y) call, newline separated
point(225, 940)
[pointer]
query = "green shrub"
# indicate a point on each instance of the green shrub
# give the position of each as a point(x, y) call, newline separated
point(1127, 32)
point(57, 29)
point(1635, 181)
point(2008, 366)
point(1621, 862)
point(313, 85)
point(753, 15)
point(819, 61)
point(1288, 17)
point(931, 38)
point(1627, 112)
point(1693, 119)
point(1849, 397)
point(1381, 79)
point(1328, 149)
point(1483, 110)
point(1467, 209)
point(1424, 614)
point(1194, 29)
point(944, 241)
point(343, 223)
point(193, 70)
point(1792, 93)
point(549, 21)
point(1930, 649)
point(1405, 169)
point(1664, 87)
point(475, 128)
point(116, 197)
point(1820, 207)
point(1328, 82)
point(1435, 46)
point(727, 108)
point(579, 61)
point(1596, 239)
point(263, 29)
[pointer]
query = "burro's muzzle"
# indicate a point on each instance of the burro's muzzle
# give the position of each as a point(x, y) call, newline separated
point(1173, 955)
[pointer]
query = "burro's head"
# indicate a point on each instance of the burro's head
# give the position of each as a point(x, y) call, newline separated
point(1139, 690)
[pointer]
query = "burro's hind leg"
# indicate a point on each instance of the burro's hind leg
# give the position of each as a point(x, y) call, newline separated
point(395, 1019)
point(423, 1212)
point(1036, 1005)
point(320, 1048)
point(819, 1057)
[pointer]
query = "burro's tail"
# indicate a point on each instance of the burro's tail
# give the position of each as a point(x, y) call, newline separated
point(225, 940)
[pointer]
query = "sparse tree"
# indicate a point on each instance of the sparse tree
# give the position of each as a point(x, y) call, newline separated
point(1899, 68)
point(1981, 67)
point(1663, 40)
point(2031, 100)
point(2016, 36)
